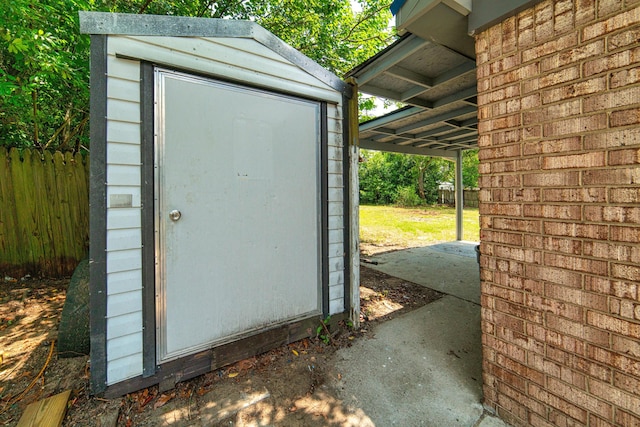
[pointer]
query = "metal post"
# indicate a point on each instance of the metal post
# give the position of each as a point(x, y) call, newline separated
point(459, 195)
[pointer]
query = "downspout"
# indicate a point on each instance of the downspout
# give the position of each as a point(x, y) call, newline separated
point(351, 156)
point(459, 188)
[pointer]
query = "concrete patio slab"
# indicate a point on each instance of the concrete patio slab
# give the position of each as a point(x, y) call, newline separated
point(449, 267)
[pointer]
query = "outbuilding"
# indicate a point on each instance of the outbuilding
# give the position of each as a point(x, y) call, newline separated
point(220, 180)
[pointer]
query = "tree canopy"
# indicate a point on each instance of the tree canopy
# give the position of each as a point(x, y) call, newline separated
point(44, 61)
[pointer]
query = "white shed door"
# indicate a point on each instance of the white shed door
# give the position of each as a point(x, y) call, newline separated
point(237, 211)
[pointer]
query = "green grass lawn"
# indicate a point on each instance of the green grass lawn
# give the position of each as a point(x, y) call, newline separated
point(410, 227)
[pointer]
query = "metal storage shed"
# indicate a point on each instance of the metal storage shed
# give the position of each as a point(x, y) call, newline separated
point(218, 197)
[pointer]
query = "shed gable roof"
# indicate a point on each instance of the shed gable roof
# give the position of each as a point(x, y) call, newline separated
point(181, 26)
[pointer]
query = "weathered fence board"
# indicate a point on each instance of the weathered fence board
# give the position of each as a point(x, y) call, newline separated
point(448, 197)
point(44, 212)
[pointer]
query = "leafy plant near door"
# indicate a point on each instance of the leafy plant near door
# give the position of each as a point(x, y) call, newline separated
point(322, 331)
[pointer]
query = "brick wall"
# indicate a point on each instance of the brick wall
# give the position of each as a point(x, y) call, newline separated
point(559, 125)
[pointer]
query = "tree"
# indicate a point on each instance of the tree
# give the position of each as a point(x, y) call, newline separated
point(44, 61)
point(387, 177)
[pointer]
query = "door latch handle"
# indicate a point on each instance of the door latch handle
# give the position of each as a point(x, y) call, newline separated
point(175, 215)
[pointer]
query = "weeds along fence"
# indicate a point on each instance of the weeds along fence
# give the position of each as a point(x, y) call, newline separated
point(44, 212)
point(448, 197)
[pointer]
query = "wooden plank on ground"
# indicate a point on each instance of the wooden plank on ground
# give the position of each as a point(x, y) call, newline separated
point(48, 412)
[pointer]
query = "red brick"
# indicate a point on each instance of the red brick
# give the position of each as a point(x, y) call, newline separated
point(554, 401)
point(501, 152)
point(553, 146)
point(624, 157)
point(509, 35)
point(525, 341)
point(499, 181)
point(576, 296)
point(627, 419)
point(587, 160)
point(623, 345)
point(511, 224)
point(525, 400)
point(625, 117)
point(578, 53)
point(625, 382)
point(624, 195)
point(613, 324)
point(501, 209)
point(612, 24)
point(501, 237)
point(576, 263)
point(616, 396)
point(519, 311)
point(585, 11)
point(625, 272)
point(504, 293)
point(502, 167)
point(578, 89)
point(625, 234)
point(608, 63)
point(580, 125)
point(625, 39)
point(621, 177)
point(531, 132)
point(506, 348)
point(512, 409)
point(564, 245)
point(554, 275)
point(580, 398)
point(505, 137)
point(595, 421)
point(588, 231)
point(569, 311)
point(553, 211)
point(553, 179)
point(607, 7)
point(521, 369)
point(614, 139)
point(624, 214)
point(574, 195)
point(552, 112)
point(612, 251)
point(579, 364)
point(516, 195)
point(550, 47)
point(624, 77)
point(611, 99)
point(611, 287)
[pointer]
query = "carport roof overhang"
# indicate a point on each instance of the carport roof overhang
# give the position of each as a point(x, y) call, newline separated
point(438, 85)
point(432, 69)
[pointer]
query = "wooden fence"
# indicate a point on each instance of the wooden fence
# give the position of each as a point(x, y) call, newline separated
point(44, 212)
point(448, 197)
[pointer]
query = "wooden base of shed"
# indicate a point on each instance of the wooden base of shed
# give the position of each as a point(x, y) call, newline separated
point(171, 373)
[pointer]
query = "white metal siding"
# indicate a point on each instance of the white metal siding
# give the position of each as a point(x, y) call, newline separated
point(336, 214)
point(240, 60)
point(124, 243)
point(226, 58)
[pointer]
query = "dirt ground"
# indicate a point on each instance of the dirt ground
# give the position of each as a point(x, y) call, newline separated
point(293, 379)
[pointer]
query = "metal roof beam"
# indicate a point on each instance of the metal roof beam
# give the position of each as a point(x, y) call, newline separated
point(410, 76)
point(454, 73)
point(439, 118)
point(379, 146)
point(400, 52)
point(390, 118)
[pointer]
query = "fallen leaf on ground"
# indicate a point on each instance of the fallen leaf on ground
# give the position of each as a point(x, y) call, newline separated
point(162, 400)
point(233, 374)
